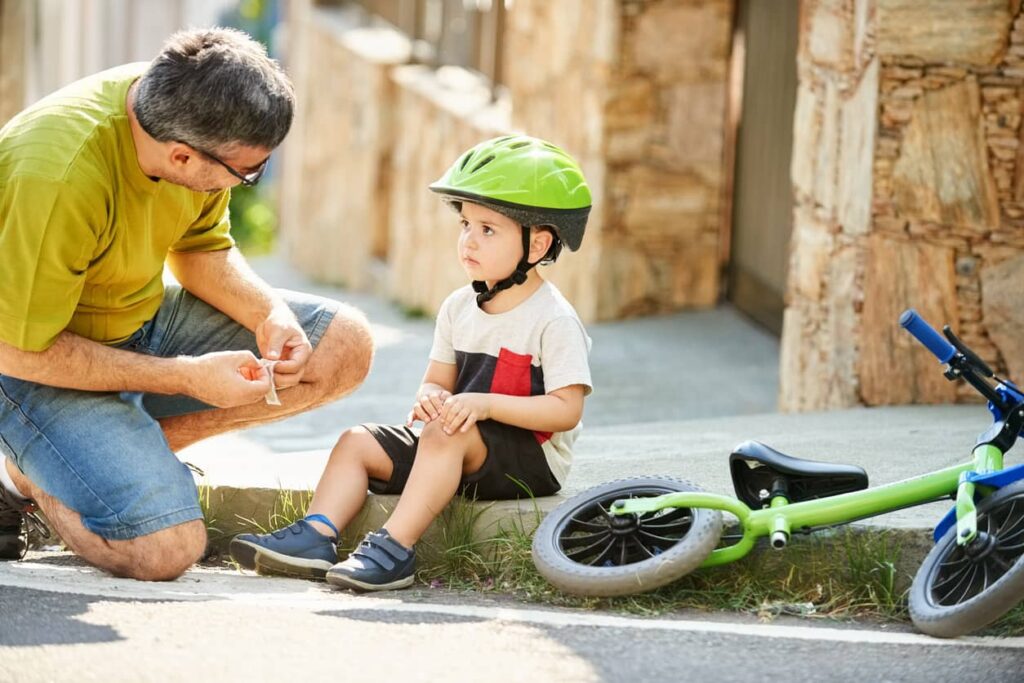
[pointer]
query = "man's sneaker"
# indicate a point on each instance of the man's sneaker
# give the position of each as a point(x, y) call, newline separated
point(298, 550)
point(380, 563)
point(17, 517)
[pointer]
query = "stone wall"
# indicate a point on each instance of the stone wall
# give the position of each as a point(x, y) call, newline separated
point(336, 189)
point(635, 89)
point(609, 80)
point(909, 187)
point(439, 115)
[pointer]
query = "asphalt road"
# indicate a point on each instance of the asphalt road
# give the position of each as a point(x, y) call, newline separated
point(61, 621)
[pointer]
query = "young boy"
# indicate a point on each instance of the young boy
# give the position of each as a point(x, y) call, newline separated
point(503, 393)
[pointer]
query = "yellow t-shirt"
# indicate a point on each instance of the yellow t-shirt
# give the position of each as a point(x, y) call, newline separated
point(83, 231)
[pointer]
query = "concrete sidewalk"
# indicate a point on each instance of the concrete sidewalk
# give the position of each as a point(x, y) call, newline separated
point(672, 396)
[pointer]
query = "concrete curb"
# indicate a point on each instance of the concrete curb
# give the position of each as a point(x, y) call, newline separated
point(233, 510)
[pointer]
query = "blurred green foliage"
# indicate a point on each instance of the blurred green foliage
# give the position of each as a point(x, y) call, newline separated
point(253, 220)
point(253, 211)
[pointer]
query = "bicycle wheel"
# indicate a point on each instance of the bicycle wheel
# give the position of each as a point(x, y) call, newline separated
point(958, 589)
point(582, 549)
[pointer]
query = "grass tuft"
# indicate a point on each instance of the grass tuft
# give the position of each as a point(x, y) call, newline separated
point(289, 507)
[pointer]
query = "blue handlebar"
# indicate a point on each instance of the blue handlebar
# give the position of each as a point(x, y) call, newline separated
point(926, 334)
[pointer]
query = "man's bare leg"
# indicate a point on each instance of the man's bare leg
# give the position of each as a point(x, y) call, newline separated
point(337, 366)
point(159, 556)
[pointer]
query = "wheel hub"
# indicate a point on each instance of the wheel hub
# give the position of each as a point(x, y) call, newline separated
point(981, 547)
point(624, 525)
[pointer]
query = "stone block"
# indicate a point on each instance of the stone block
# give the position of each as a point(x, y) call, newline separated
point(829, 33)
point(805, 137)
point(893, 367)
point(856, 153)
point(1001, 285)
point(975, 32)
point(632, 104)
point(656, 46)
point(812, 245)
point(677, 205)
point(816, 143)
point(817, 366)
point(942, 174)
point(635, 281)
point(344, 141)
point(694, 124)
point(459, 113)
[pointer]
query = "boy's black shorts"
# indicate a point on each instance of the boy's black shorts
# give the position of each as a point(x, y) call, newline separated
point(512, 454)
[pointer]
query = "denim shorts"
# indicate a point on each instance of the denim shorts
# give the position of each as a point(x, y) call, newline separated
point(103, 454)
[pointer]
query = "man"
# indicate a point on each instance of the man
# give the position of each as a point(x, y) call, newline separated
point(104, 372)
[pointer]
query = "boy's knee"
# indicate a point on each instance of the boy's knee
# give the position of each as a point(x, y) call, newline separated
point(352, 444)
point(434, 434)
point(432, 431)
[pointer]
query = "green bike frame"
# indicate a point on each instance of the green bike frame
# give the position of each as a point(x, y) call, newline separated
point(782, 516)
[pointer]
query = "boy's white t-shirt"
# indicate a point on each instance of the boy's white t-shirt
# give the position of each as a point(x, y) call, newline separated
point(535, 348)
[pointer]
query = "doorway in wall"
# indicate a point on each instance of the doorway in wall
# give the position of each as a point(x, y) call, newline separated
point(764, 95)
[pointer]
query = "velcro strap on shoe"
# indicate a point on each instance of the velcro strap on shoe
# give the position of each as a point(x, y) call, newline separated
point(382, 550)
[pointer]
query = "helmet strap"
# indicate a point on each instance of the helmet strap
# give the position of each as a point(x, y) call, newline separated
point(518, 276)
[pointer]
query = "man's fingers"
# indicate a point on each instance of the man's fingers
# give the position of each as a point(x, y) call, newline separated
point(298, 351)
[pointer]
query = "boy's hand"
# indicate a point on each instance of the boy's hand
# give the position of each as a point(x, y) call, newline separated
point(462, 411)
point(428, 406)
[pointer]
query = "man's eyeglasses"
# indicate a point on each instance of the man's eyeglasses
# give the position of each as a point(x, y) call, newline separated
point(247, 179)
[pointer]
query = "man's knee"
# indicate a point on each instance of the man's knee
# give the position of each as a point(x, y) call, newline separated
point(344, 353)
point(163, 555)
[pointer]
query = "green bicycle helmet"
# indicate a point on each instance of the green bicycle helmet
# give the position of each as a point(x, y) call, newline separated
point(528, 180)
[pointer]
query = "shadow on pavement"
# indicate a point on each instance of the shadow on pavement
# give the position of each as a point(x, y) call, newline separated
point(52, 619)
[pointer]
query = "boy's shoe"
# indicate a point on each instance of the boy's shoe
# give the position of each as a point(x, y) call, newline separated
point(298, 550)
point(17, 518)
point(380, 563)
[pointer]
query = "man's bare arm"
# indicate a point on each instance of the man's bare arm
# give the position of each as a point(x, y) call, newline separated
point(224, 280)
point(74, 362)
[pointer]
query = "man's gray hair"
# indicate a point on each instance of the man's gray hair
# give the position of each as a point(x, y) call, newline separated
point(212, 88)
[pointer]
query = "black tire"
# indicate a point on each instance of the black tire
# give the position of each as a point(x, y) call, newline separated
point(957, 590)
point(576, 549)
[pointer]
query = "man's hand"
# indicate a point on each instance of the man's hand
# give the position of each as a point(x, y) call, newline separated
point(280, 337)
point(226, 379)
point(428, 406)
point(462, 411)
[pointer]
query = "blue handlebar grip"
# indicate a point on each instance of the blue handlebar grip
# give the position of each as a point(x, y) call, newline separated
point(926, 334)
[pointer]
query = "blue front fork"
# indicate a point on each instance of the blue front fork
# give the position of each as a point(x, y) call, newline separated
point(988, 474)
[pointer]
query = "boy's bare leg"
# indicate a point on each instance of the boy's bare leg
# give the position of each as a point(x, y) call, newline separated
point(337, 366)
point(342, 489)
point(441, 460)
point(159, 556)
